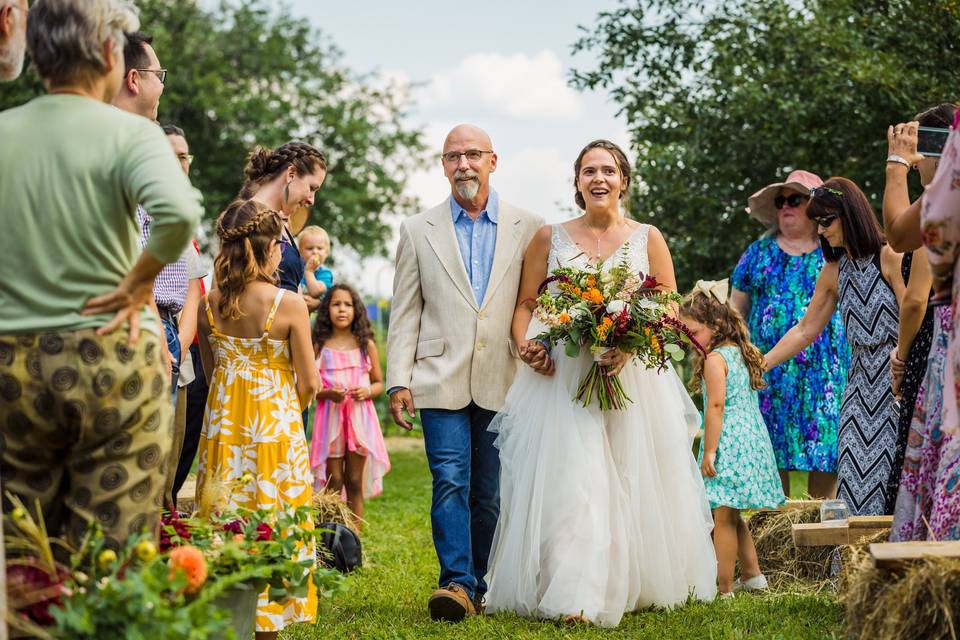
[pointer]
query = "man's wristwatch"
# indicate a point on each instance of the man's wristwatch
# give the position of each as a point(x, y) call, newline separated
point(899, 159)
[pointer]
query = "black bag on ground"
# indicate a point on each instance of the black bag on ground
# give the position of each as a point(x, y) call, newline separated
point(340, 547)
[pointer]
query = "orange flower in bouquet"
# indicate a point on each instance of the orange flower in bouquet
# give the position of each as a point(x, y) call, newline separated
point(191, 562)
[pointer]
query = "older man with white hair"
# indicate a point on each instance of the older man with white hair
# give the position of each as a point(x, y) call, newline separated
point(13, 38)
point(85, 416)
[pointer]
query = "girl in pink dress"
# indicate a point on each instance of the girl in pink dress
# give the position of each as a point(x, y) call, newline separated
point(347, 450)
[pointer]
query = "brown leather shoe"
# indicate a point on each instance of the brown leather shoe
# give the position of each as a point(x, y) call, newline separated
point(451, 603)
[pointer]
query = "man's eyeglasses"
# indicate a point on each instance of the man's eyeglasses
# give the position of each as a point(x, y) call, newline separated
point(793, 200)
point(822, 191)
point(161, 73)
point(827, 220)
point(472, 155)
point(185, 157)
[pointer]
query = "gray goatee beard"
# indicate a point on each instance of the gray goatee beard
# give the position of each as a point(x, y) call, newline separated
point(467, 190)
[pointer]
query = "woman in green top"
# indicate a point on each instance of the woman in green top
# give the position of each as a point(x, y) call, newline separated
point(85, 409)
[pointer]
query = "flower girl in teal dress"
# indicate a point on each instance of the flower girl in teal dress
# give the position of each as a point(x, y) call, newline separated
point(736, 457)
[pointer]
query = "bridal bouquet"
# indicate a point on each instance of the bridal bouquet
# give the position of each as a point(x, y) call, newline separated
point(614, 309)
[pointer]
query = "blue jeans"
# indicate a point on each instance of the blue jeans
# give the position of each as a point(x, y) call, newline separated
point(173, 344)
point(466, 492)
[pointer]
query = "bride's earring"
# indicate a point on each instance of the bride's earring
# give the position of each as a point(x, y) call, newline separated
point(286, 193)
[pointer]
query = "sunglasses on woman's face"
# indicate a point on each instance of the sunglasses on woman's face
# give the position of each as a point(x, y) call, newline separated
point(793, 200)
point(827, 220)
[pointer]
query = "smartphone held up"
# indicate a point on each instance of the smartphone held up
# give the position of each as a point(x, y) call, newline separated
point(930, 141)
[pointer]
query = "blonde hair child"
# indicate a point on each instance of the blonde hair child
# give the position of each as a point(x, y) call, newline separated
point(314, 245)
point(736, 456)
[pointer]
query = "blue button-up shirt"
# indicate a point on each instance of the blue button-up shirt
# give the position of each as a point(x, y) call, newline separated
point(477, 240)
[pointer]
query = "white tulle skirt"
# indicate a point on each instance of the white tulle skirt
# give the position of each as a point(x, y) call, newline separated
point(600, 513)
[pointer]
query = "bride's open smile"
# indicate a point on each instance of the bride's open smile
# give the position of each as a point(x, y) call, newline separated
point(600, 180)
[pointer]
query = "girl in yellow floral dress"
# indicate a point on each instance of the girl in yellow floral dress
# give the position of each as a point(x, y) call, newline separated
point(256, 351)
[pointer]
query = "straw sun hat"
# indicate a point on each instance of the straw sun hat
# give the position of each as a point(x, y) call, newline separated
point(760, 205)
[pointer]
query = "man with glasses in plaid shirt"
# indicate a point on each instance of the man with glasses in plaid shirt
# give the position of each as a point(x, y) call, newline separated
point(140, 93)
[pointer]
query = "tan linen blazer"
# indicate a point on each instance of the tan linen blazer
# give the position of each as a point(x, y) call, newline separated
point(442, 345)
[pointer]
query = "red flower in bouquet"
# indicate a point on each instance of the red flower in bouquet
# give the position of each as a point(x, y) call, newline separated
point(171, 527)
point(264, 532)
point(32, 590)
point(236, 527)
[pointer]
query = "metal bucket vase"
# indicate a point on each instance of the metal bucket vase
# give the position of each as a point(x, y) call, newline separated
point(240, 603)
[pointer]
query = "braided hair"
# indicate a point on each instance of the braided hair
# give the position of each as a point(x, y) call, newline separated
point(263, 165)
point(246, 228)
point(728, 326)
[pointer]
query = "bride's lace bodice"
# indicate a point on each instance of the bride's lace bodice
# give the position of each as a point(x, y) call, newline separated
point(564, 252)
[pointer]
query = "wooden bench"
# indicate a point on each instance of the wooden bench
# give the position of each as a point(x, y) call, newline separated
point(892, 556)
point(818, 534)
point(186, 497)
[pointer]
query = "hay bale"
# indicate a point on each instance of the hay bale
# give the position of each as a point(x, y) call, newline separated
point(331, 507)
point(784, 563)
point(921, 602)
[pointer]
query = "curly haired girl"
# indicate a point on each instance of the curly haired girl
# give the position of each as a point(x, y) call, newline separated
point(736, 457)
point(347, 450)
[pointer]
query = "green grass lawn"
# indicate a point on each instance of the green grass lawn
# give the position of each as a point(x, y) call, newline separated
point(387, 598)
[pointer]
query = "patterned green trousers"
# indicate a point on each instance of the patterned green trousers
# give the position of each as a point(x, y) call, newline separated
point(86, 428)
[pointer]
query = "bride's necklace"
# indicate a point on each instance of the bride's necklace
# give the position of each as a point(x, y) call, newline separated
point(598, 237)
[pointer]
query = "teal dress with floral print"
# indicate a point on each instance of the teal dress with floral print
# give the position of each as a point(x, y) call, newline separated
point(747, 475)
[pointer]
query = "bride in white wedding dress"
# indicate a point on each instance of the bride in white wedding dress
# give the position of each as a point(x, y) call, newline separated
point(601, 513)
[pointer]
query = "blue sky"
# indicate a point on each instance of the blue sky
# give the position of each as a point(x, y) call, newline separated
point(501, 65)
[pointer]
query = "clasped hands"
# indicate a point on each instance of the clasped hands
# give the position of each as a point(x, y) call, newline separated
point(535, 354)
point(339, 394)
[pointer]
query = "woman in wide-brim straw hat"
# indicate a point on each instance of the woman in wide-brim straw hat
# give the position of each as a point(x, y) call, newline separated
point(772, 285)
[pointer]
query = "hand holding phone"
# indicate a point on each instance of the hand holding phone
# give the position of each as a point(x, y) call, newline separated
point(902, 141)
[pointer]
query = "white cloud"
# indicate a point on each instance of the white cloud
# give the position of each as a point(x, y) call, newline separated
point(539, 179)
point(517, 86)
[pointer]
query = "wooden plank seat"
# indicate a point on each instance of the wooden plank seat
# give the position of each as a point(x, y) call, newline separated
point(896, 555)
point(186, 497)
point(791, 505)
point(818, 534)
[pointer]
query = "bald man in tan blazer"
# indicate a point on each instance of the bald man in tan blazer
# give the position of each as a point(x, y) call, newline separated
point(450, 354)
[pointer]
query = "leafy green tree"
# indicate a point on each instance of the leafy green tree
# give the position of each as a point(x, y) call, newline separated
point(724, 97)
point(243, 74)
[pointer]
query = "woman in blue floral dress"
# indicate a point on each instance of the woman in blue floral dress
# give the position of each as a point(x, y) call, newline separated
point(772, 286)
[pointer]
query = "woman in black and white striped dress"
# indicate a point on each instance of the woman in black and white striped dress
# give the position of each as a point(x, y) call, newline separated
point(862, 276)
